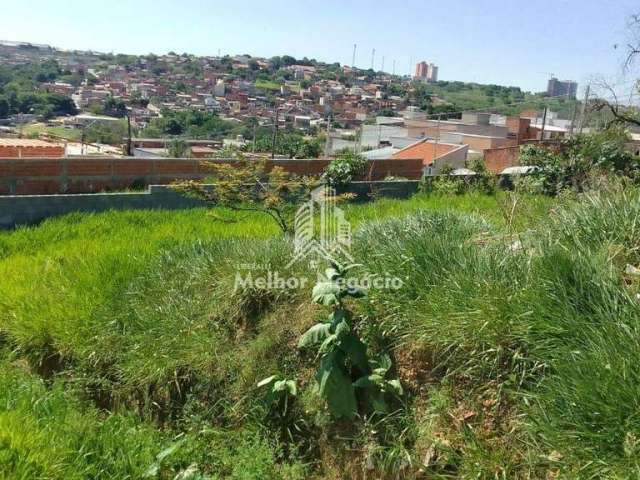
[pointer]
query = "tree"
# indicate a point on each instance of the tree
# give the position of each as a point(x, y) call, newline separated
point(4, 107)
point(115, 107)
point(110, 133)
point(343, 169)
point(620, 112)
point(578, 158)
point(179, 149)
point(173, 127)
point(248, 186)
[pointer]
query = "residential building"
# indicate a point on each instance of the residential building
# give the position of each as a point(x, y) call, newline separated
point(219, 88)
point(422, 69)
point(427, 72)
point(434, 155)
point(432, 73)
point(562, 88)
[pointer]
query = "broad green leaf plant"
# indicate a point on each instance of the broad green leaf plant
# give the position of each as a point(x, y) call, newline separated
point(346, 378)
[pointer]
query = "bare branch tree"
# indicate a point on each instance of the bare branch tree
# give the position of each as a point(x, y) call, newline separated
point(623, 113)
point(633, 47)
point(609, 101)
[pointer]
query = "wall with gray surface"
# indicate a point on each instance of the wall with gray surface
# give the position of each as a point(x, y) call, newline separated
point(16, 210)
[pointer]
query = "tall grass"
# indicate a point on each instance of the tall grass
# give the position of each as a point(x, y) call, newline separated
point(515, 332)
point(554, 321)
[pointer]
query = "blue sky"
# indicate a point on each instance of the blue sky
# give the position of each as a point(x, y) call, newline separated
point(488, 41)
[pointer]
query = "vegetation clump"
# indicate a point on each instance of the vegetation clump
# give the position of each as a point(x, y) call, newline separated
point(345, 168)
point(508, 351)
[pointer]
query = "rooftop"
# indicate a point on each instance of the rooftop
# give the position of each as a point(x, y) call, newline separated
point(27, 142)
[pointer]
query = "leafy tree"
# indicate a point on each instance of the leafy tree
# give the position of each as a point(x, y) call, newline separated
point(115, 107)
point(179, 149)
point(248, 186)
point(386, 112)
point(110, 133)
point(344, 168)
point(288, 60)
point(4, 106)
point(291, 144)
point(192, 123)
point(173, 127)
point(573, 162)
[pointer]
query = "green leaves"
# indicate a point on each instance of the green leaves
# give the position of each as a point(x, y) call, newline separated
point(280, 390)
point(344, 364)
point(344, 168)
point(334, 384)
point(356, 351)
point(378, 387)
point(316, 334)
point(280, 385)
point(326, 293)
point(155, 467)
point(331, 292)
point(332, 273)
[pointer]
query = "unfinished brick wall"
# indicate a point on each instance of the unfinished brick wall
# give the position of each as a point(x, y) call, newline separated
point(497, 159)
point(40, 176)
point(15, 151)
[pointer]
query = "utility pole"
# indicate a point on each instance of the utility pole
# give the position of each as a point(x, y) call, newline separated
point(435, 147)
point(129, 154)
point(573, 118)
point(327, 143)
point(373, 57)
point(544, 120)
point(584, 109)
point(275, 136)
point(255, 127)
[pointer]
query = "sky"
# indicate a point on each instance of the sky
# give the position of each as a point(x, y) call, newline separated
point(514, 43)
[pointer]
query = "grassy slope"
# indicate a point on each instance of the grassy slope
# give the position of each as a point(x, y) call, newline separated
point(135, 313)
point(473, 97)
point(61, 132)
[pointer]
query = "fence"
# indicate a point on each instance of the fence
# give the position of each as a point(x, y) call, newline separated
point(16, 210)
point(41, 176)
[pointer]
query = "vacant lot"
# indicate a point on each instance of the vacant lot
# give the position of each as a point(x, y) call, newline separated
point(126, 352)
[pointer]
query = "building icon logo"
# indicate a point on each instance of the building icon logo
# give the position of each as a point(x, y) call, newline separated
point(330, 238)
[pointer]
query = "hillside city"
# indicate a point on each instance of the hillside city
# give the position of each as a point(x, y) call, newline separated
point(280, 107)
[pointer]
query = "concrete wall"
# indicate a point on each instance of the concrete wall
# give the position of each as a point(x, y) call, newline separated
point(42, 176)
point(431, 128)
point(456, 158)
point(16, 210)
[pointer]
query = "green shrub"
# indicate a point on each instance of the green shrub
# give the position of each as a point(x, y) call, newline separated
point(344, 168)
point(576, 160)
